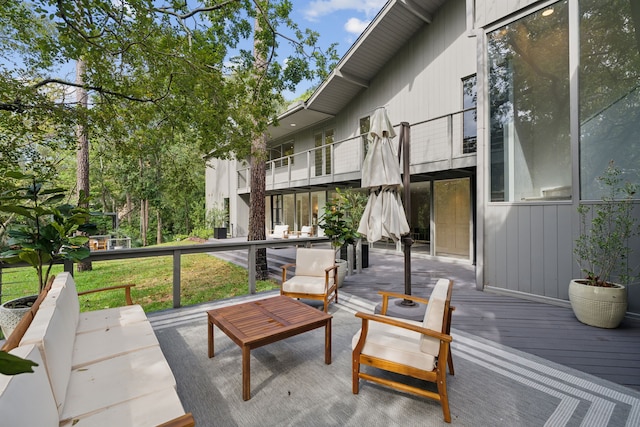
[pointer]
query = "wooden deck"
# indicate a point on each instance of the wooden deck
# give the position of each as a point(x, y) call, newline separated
point(545, 330)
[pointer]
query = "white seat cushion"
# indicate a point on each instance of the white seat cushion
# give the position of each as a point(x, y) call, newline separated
point(26, 400)
point(395, 344)
point(149, 410)
point(95, 346)
point(434, 316)
point(305, 285)
point(113, 381)
point(110, 317)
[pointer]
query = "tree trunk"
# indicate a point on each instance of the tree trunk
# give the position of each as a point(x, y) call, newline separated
point(129, 208)
point(144, 220)
point(158, 228)
point(256, 203)
point(82, 167)
point(257, 184)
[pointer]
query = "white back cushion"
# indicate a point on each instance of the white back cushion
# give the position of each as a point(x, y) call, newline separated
point(68, 300)
point(434, 316)
point(26, 399)
point(53, 331)
point(313, 262)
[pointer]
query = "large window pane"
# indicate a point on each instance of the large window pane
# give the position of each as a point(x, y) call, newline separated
point(529, 107)
point(609, 90)
point(469, 118)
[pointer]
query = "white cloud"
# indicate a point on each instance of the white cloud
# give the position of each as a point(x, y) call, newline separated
point(320, 8)
point(356, 26)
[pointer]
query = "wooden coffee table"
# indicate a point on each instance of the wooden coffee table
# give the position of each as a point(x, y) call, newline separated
point(256, 323)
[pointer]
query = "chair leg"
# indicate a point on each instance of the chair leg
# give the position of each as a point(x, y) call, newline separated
point(356, 375)
point(442, 391)
point(450, 363)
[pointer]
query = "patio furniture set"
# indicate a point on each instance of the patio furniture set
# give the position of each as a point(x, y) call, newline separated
point(106, 367)
point(388, 343)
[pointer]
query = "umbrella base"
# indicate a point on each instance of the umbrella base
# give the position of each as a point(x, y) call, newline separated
point(411, 312)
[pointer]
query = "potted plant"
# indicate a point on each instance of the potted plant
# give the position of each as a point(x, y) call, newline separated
point(340, 222)
point(218, 217)
point(44, 231)
point(602, 252)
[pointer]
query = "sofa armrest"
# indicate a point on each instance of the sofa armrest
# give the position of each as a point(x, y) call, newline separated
point(185, 420)
point(127, 291)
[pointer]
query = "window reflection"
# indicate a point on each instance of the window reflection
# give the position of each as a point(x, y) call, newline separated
point(609, 91)
point(529, 108)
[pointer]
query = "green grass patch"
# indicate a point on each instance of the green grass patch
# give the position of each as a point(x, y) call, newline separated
point(203, 278)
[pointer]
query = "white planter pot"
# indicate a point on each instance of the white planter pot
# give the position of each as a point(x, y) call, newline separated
point(10, 316)
point(342, 271)
point(598, 306)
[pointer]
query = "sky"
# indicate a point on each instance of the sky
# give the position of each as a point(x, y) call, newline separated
point(337, 21)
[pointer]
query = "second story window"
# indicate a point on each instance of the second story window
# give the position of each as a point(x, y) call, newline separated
point(322, 142)
point(365, 127)
point(278, 155)
point(469, 120)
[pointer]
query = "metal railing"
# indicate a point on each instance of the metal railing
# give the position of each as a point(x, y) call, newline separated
point(177, 251)
point(433, 140)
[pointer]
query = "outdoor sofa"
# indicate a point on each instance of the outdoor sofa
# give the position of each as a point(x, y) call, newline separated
point(98, 368)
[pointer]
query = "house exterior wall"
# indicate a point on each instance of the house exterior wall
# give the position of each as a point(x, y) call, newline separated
point(521, 247)
point(527, 247)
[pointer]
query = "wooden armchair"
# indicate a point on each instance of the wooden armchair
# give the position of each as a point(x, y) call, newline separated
point(408, 347)
point(315, 277)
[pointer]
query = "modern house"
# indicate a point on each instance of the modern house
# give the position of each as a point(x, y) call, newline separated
point(514, 108)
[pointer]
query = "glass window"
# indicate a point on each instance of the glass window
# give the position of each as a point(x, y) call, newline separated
point(318, 153)
point(609, 91)
point(530, 157)
point(287, 153)
point(323, 155)
point(328, 140)
point(470, 115)
point(365, 126)
point(278, 155)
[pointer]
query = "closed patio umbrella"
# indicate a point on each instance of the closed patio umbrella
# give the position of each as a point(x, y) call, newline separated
point(384, 214)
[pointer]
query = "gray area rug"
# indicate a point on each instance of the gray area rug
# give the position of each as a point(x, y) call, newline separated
point(493, 385)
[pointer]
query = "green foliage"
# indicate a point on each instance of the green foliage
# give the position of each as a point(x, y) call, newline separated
point(602, 248)
point(202, 233)
point(217, 216)
point(14, 365)
point(49, 229)
point(342, 216)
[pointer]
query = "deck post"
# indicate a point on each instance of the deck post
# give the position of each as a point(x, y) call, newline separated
point(176, 279)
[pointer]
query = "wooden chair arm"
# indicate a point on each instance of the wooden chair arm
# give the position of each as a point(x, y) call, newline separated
point(185, 420)
point(284, 271)
point(326, 276)
point(127, 291)
point(400, 324)
point(386, 295)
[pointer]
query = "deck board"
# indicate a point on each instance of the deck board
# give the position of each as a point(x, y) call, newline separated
point(545, 330)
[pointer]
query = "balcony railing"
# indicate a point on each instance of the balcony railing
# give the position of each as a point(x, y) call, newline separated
point(434, 140)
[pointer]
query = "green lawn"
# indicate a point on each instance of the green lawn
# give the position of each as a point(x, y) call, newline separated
point(203, 278)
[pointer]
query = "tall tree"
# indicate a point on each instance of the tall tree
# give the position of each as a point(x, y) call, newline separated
point(167, 61)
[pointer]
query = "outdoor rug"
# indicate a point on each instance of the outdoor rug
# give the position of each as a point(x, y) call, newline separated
point(493, 385)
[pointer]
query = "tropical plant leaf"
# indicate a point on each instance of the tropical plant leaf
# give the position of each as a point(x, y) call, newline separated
point(14, 365)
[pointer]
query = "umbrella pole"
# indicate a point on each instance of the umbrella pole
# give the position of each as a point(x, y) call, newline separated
point(405, 135)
